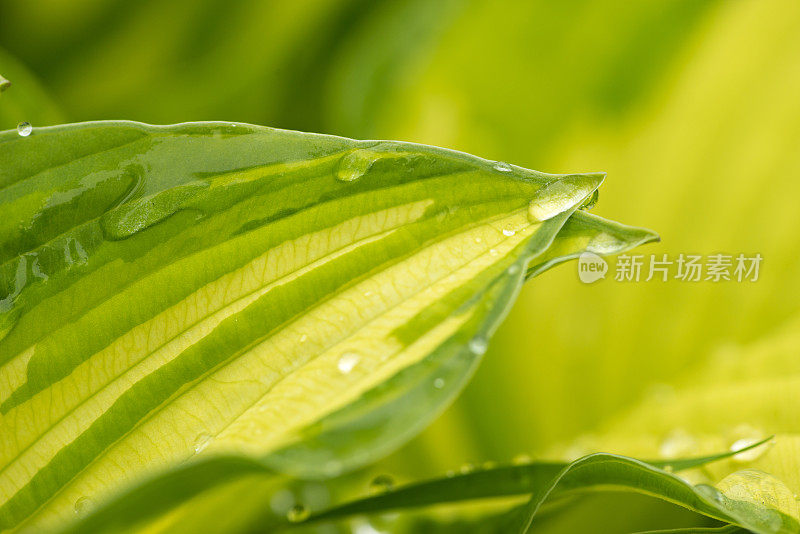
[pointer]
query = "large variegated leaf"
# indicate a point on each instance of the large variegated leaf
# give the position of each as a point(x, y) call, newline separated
point(173, 500)
point(218, 288)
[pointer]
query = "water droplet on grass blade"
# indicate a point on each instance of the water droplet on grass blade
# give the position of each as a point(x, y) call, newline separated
point(297, 513)
point(347, 362)
point(381, 484)
point(745, 436)
point(24, 129)
point(502, 166)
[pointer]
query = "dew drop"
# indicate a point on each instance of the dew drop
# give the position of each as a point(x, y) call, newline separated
point(297, 513)
point(438, 383)
point(561, 195)
point(508, 232)
point(83, 506)
point(201, 442)
point(478, 240)
point(24, 129)
point(493, 251)
point(513, 269)
point(590, 202)
point(347, 362)
point(502, 166)
point(745, 436)
point(749, 455)
point(381, 484)
point(478, 345)
point(763, 490)
point(710, 492)
point(303, 338)
point(356, 164)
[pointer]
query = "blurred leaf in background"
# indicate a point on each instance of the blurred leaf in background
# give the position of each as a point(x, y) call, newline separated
point(690, 105)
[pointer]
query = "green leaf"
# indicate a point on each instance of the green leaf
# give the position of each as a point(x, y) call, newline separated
point(539, 478)
point(219, 288)
point(611, 471)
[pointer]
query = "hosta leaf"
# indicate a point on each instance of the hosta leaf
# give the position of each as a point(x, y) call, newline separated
point(174, 492)
point(219, 288)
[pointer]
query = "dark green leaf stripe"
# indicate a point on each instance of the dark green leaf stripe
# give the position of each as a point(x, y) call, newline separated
point(166, 291)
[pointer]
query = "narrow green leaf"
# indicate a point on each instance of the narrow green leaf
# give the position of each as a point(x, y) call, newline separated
point(496, 482)
point(218, 288)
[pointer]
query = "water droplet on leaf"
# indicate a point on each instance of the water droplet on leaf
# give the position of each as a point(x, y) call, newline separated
point(83, 506)
point(508, 232)
point(745, 436)
point(502, 166)
point(478, 345)
point(560, 195)
point(201, 442)
point(590, 203)
point(24, 129)
point(762, 489)
point(348, 361)
point(381, 484)
point(356, 164)
point(438, 383)
point(710, 492)
point(297, 513)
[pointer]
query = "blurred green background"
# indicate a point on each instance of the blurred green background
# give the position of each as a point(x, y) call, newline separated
point(691, 106)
